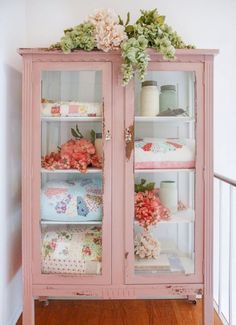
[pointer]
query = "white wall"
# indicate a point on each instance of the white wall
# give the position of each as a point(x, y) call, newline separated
point(206, 23)
point(13, 34)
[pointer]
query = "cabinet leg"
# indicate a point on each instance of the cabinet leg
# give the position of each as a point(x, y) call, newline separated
point(44, 301)
point(28, 311)
point(192, 299)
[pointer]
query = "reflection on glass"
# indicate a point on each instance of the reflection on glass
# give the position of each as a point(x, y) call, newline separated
point(164, 161)
point(164, 222)
point(71, 175)
point(165, 93)
point(71, 93)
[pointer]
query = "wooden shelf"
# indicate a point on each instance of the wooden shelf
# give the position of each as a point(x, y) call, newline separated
point(71, 171)
point(71, 119)
point(164, 119)
point(48, 222)
point(184, 216)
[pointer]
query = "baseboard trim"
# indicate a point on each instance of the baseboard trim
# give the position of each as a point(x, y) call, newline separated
point(13, 320)
point(221, 315)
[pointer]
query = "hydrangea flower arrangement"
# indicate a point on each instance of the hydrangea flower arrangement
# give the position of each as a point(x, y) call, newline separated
point(105, 30)
point(148, 208)
point(145, 246)
point(78, 153)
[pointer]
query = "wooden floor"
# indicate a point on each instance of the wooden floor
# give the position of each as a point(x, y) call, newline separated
point(119, 312)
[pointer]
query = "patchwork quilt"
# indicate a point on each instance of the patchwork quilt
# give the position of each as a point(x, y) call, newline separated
point(164, 153)
point(71, 109)
point(71, 249)
point(79, 200)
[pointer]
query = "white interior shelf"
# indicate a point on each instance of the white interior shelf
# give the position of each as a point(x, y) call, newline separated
point(71, 118)
point(48, 222)
point(71, 171)
point(178, 119)
point(165, 263)
point(183, 216)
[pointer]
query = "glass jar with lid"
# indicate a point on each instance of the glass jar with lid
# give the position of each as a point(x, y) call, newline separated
point(168, 98)
point(149, 98)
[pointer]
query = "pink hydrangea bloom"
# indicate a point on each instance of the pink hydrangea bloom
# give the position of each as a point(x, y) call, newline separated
point(74, 154)
point(149, 209)
point(108, 32)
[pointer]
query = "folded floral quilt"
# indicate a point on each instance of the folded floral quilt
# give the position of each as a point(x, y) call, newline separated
point(71, 249)
point(164, 153)
point(79, 200)
point(49, 108)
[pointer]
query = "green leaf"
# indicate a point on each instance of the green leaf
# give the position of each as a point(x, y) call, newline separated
point(68, 30)
point(129, 29)
point(150, 186)
point(80, 135)
point(93, 136)
point(77, 129)
point(120, 20)
point(160, 20)
point(128, 19)
point(141, 187)
point(74, 133)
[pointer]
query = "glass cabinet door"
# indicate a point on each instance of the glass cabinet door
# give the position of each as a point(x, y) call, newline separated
point(71, 159)
point(164, 176)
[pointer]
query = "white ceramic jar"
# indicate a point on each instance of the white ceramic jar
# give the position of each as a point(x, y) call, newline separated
point(98, 145)
point(149, 98)
point(168, 195)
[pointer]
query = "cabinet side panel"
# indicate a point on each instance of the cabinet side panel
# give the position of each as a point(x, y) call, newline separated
point(28, 303)
point(208, 222)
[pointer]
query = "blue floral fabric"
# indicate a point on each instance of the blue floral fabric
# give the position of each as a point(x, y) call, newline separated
point(79, 200)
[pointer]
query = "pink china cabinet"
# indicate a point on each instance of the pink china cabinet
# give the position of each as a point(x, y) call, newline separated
point(117, 198)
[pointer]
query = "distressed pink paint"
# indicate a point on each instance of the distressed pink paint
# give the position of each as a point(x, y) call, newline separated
point(118, 280)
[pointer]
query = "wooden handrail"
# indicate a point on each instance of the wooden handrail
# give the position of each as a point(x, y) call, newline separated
point(225, 179)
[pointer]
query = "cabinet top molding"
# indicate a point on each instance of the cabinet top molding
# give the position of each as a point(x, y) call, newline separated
point(152, 52)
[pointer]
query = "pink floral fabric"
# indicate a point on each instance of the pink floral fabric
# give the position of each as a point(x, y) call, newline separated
point(164, 153)
point(72, 250)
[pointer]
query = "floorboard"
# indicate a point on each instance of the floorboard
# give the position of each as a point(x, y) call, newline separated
point(119, 312)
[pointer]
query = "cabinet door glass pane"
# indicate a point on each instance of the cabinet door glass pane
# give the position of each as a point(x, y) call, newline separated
point(72, 172)
point(164, 174)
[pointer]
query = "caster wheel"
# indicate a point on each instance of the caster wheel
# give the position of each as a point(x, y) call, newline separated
point(45, 303)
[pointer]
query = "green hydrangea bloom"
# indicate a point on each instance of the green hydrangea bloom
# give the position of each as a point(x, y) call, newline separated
point(149, 31)
point(81, 36)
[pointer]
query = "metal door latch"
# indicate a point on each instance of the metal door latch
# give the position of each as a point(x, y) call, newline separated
point(108, 135)
point(128, 136)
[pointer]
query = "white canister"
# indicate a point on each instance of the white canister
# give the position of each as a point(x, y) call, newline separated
point(98, 145)
point(149, 98)
point(169, 196)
